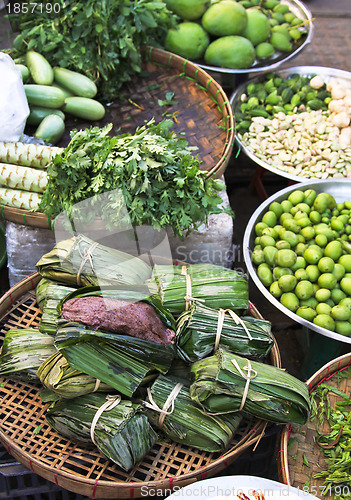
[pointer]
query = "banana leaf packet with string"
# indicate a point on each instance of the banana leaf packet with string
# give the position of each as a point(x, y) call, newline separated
point(58, 377)
point(178, 286)
point(201, 330)
point(226, 382)
point(80, 261)
point(171, 410)
point(118, 428)
point(23, 351)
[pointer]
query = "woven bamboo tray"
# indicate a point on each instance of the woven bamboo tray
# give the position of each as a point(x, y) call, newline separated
point(83, 471)
point(297, 442)
point(201, 113)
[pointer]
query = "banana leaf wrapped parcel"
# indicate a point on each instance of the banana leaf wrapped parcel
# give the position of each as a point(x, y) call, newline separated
point(178, 286)
point(121, 361)
point(118, 428)
point(23, 351)
point(184, 421)
point(80, 261)
point(226, 382)
point(201, 330)
point(56, 375)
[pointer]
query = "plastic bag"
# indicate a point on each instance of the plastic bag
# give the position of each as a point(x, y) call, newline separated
point(14, 108)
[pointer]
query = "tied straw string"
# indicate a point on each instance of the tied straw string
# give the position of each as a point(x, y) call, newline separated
point(111, 402)
point(188, 294)
point(169, 403)
point(88, 255)
point(237, 320)
point(251, 374)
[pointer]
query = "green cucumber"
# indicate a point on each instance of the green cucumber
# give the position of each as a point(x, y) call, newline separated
point(24, 72)
point(39, 68)
point(85, 108)
point(38, 113)
point(80, 85)
point(44, 95)
point(51, 129)
point(67, 92)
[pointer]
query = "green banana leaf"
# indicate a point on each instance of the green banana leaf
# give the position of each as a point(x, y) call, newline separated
point(122, 434)
point(23, 351)
point(79, 261)
point(273, 394)
point(196, 334)
point(56, 375)
point(212, 285)
point(188, 424)
point(121, 361)
point(50, 290)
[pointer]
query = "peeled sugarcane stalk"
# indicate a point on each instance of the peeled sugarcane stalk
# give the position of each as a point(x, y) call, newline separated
point(16, 198)
point(28, 155)
point(26, 178)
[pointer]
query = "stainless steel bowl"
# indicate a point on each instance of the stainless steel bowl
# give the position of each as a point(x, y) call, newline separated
point(341, 190)
point(301, 11)
point(309, 71)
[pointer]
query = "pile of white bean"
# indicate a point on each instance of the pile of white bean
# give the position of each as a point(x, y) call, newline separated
point(307, 143)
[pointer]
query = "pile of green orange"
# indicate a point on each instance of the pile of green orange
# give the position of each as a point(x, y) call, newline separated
point(303, 256)
point(233, 34)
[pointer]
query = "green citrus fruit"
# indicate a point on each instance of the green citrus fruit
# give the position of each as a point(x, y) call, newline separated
point(231, 52)
point(188, 40)
point(258, 27)
point(188, 9)
point(225, 18)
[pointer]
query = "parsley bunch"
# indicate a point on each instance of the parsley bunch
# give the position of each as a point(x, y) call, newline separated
point(101, 38)
point(160, 179)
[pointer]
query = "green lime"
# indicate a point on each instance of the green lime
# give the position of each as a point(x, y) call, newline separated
point(338, 271)
point(343, 328)
point(346, 302)
point(267, 241)
point(326, 265)
point(280, 42)
point(308, 232)
point(304, 290)
point(345, 261)
point(296, 197)
point(257, 256)
point(188, 40)
point(323, 308)
point(281, 271)
point(307, 313)
point(311, 302)
point(259, 227)
point(290, 301)
point(269, 253)
point(324, 321)
point(276, 208)
point(301, 274)
point(333, 250)
point(327, 280)
point(321, 202)
point(270, 218)
point(264, 274)
point(257, 28)
point(345, 285)
point(321, 240)
point(282, 244)
point(225, 18)
point(299, 264)
point(313, 272)
point(322, 294)
point(337, 295)
point(287, 283)
point(234, 52)
point(285, 258)
point(313, 254)
point(341, 313)
point(275, 290)
point(264, 50)
point(187, 9)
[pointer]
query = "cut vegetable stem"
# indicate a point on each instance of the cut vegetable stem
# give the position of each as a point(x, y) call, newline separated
point(27, 155)
point(26, 178)
point(16, 198)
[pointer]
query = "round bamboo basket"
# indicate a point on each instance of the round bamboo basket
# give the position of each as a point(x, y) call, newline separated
point(167, 466)
point(299, 456)
point(199, 108)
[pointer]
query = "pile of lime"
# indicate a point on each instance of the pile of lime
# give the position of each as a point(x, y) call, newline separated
point(234, 34)
point(302, 251)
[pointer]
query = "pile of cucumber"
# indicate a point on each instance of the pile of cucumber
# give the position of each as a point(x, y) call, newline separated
point(52, 92)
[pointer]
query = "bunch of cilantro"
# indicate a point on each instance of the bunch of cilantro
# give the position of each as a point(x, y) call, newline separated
point(154, 170)
point(100, 38)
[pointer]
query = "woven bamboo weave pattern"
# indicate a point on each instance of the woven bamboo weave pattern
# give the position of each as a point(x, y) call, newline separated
point(300, 457)
point(25, 433)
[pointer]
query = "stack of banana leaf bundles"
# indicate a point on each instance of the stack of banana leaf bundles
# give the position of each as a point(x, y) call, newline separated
point(127, 353)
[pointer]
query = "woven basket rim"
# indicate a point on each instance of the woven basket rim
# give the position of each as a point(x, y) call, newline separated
point(327, 371)
point(112, 489)
point(190, 71)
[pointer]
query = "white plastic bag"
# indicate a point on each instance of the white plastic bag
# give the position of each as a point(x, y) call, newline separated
point(14, 108)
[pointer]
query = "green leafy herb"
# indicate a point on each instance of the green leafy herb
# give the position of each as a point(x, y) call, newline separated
point(100, 38)
point(168, 101)
point(160, 179)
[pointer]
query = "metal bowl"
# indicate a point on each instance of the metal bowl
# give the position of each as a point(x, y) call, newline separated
point(309, 71)
point(301, 11)
point(341, 190)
